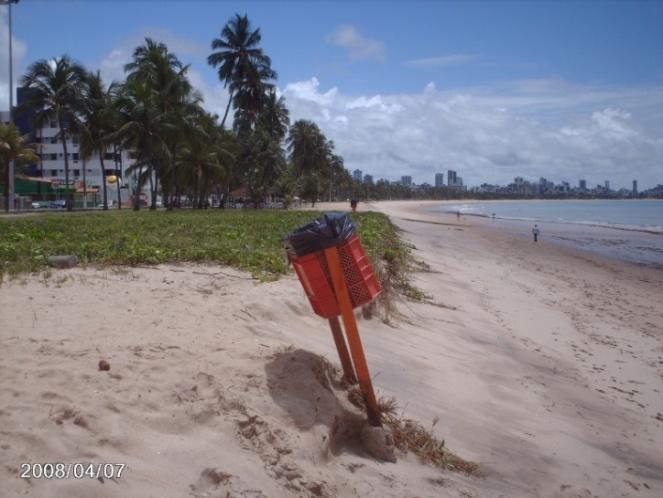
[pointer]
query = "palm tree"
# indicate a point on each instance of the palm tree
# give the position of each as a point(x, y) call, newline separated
point(275, 117)
point(250, 97)
point(311, 155)
point(96, 122)
point(183, 113)
point(337, 175)
point(228, 149)
point(56, 86)
point(13, 148)
point(151, 62)
point(140, 131)
point(309, 149)
point(287, 184)
point(197, 159)
point(158, 69)
point(240, 61)
point(262, 162)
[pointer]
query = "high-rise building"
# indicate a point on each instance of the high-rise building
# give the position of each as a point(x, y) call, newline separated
point(356, 175)
point(51, 154)
point(406, 181)
point(439, 179)
point(368, 179)
point(607, 185)
point(451, 178)
point(582, 184)
point(635, 187)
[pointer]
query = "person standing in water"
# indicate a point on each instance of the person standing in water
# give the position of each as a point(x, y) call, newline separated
point(535, 232)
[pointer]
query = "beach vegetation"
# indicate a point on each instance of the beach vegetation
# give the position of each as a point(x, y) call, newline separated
point(249, 240)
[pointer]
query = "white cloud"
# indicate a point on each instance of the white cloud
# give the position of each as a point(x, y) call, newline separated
point(308, 90)
point(442, 61)
point(112, 65)
point(492, 134)
point(358, 46)
point(19, 49)
point(531, 128)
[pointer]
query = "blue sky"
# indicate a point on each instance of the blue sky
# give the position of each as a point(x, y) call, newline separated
point(493, 89)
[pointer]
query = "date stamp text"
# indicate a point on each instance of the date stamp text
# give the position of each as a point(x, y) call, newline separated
point(60, 470)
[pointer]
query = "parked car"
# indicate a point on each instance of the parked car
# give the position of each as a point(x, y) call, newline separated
point(60, 204)
point(39, 204)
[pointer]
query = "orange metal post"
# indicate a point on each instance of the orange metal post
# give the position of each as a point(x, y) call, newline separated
point(354, 341)
point(337, 332)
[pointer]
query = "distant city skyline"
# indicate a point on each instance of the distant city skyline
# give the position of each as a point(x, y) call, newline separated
point(490, 89)
point(518, 187)
point(439, 180)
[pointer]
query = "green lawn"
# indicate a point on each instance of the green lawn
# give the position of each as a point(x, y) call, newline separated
point(248, 240)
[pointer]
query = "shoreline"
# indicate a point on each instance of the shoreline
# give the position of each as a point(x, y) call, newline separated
point(574, 310)
point(640, 246)
point(626, 228)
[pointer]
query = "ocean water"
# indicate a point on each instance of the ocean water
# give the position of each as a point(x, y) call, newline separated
point(630, 230)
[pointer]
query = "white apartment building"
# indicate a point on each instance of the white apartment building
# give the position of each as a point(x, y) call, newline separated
point(88, 171)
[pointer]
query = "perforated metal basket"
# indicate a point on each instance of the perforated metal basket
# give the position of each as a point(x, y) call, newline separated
point(313, 273)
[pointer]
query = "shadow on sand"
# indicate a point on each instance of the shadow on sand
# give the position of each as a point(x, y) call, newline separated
point(309, 389)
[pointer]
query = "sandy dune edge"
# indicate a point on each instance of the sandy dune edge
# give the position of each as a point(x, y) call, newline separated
point(215, 386)
point(545, 366)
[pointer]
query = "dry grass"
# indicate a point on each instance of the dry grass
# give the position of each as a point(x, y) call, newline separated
point(410, 435)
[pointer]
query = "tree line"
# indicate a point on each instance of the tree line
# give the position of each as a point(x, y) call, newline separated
point(178, 148)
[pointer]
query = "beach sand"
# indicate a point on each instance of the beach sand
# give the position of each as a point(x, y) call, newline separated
point(542, 364)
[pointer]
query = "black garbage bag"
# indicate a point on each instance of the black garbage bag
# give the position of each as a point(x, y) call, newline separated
point(331, 229)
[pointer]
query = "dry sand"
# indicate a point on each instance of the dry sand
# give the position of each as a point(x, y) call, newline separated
point(543, 364)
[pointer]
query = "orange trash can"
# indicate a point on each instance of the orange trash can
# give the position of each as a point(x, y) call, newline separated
point(315, 277)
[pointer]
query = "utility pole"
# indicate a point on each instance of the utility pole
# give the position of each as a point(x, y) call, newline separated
point(10, 175)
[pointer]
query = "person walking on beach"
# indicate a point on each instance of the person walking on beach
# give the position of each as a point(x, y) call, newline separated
point(535, 232)
point(458, 214)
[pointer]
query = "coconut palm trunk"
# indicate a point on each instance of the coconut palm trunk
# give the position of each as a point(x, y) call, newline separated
point(153, 188)
point(63, 138)
point(225, 115)
point(117, 172)
point(173, 181)
point(223, 197)
point(103, 179)
point(84, 186)
point(41, 161)
point(138, 189)
point(196, 189)
point(6, 192)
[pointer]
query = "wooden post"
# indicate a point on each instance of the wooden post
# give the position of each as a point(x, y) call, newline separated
point(354, 341)
point(346, 362)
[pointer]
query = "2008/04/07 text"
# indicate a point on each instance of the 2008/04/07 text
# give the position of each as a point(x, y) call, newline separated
point(71, 470)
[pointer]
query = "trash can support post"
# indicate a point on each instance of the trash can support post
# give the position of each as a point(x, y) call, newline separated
point(354, 341)
point(341, 347)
